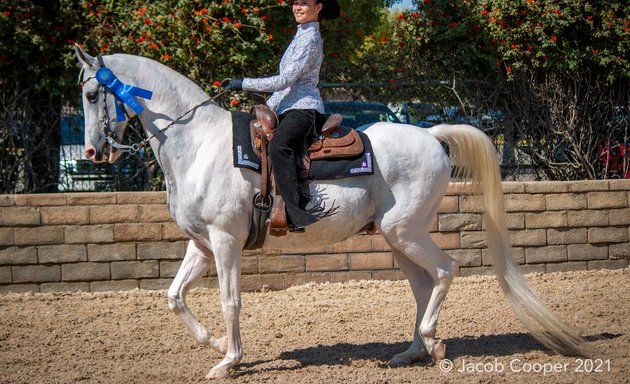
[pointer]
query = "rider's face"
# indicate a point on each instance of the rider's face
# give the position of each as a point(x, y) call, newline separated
point(306, 11)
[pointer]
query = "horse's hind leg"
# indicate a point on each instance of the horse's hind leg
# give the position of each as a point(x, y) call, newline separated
point(196, 263)
point(421, 286)
point(442, 269)
point(443, 273)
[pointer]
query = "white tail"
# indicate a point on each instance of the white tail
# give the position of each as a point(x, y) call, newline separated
point(474, 154)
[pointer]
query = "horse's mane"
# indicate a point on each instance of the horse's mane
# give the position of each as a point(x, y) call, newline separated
point(164, 70)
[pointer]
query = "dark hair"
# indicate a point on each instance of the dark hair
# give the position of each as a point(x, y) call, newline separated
point(330, 10)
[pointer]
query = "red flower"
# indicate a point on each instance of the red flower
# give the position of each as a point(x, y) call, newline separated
point(453, 24)
point(554, 38)
point(203, 11)
point(167, 57)
point(589, 17)
point(153, 46)
point(140, 39)
point(217, 83)
point(6, 13)
point(237, 25)
point(148, 21)
point(484, 12)
point(234, 103)
point(427, 1)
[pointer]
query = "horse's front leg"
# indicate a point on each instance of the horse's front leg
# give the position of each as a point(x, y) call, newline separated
point(227, 254)
point(196, 263)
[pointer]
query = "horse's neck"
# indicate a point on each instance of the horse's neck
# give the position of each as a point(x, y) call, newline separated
point(199, 131)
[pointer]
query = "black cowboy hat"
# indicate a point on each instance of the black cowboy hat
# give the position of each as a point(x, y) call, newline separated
point(331, 9)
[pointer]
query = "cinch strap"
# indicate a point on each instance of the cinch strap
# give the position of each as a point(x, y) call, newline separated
point(123, 92)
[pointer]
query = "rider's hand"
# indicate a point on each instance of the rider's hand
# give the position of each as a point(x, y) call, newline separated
point(232, 84)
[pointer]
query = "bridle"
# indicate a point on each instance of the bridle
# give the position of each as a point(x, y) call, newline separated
point(121, 109)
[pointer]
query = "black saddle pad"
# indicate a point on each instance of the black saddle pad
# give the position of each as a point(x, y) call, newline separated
point(326, 169)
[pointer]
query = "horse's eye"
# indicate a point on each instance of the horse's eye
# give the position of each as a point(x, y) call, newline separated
point(92, 97)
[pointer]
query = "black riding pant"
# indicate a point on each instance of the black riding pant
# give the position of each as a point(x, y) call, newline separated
point(285, 150)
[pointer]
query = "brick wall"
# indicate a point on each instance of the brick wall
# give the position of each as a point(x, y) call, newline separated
point(120, 241)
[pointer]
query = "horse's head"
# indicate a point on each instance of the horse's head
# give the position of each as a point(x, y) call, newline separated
point(100, 110)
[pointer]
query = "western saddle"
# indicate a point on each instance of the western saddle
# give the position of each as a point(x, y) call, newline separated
point(333, 141)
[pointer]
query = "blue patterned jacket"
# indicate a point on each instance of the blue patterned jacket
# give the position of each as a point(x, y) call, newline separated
point(295, 87)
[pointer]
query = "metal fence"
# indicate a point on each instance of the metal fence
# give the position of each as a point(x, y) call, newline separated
point(359, 107)
point(130, 173)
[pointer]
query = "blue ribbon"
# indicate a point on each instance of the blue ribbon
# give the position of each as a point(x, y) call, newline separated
point(123, 92)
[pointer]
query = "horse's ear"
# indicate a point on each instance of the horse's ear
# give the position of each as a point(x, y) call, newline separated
point(84, 58)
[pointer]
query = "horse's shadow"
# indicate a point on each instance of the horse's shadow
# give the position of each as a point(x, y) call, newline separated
point(344, 353)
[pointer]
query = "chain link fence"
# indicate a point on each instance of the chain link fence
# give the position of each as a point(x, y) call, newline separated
point(359, 105)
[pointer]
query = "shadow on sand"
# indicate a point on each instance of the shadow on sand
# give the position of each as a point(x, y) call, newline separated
point(344, 353)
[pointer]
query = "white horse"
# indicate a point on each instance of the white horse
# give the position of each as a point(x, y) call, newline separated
point(212, 202)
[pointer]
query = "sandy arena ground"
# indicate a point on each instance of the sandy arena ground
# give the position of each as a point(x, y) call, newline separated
point(332, 333)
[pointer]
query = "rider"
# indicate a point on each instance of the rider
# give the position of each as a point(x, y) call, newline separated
point(296, 101)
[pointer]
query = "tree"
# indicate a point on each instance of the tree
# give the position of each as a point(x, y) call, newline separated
point(560, 69)
point(211, 40)
point(32, 88)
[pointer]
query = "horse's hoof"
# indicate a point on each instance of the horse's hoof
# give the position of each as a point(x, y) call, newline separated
point(218, 373)
point(439, 351)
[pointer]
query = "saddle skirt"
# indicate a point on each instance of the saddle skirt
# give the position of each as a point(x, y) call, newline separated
point(338, 153)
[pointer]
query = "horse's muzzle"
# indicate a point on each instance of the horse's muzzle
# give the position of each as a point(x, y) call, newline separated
point(105, 155)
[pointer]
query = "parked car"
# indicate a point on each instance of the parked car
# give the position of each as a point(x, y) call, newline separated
point(360, 114)
point(429, 114)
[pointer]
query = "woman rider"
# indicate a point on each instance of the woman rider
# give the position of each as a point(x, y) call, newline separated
point(296, 101)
